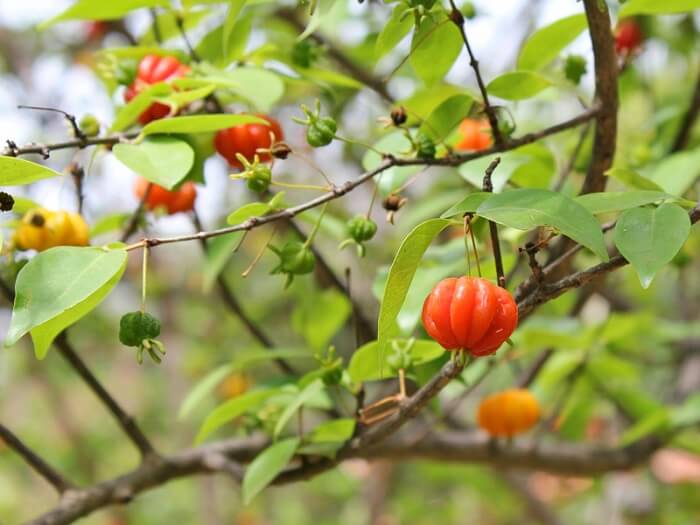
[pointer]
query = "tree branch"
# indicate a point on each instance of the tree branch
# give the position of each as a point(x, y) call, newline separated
point(360, 73)
point(605, 137)
point(683, 135)
point(388, 162)
point(45, 149)
point(40, 466)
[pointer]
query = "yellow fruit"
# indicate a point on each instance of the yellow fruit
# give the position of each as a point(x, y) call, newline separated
point(235, 385)
point(508, 413)
point(42, 229)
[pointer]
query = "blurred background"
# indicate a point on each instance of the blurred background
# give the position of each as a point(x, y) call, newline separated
point(46, 404)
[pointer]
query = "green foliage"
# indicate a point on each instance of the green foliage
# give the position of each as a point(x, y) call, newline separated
point(518, 85)
point(266, 466)
point(159, 159)
point(545, 44)
point(650, 238)
point(58, 287)
point(20, 171)
point(435, 46)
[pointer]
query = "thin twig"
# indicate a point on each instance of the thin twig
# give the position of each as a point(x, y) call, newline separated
point(77, 132)
point(493, 227)
point(133, 223)
point(458, 19)
point(683, 135)
point(41, 467)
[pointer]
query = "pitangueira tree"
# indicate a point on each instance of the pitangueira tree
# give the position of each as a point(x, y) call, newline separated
point(521, 291)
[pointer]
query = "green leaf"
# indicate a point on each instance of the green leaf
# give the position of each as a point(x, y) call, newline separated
point(19, 171)
point(446, 117)
point(468, 204)
point(162, 160)
point(255, 209)
point(310, 391)
point(656, 7)
point(677, 173)
point(265, 467)
point(58, 287)
point(688, 413)
point(329, 78)
point(434, 49)
point(621, 200)
point(219, 251)
point(401, 274)
point(517, 85)
point(397, 144)
point(319, 316)
point(258, 86)
point(649, 238)
point(180, 99)
point(98, 10)
point(129, 113)
point(368, 363)
point(545, 44)
point(230, 24)
point(336, 430)
point(632, 179)
point(654, 422)
point(395, 30)
point(525, 209)
point(168, 25)
point(232, 409)
point(199, 123)
point(202, 389)
point(424, 101)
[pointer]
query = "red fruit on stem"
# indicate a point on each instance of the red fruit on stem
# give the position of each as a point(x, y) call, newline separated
point(475, 135)
point(470, 313)
point(153, 69)
point(246, 139)
point(175, 201)
point(628, 37)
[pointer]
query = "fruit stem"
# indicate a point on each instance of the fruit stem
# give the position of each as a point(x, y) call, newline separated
point(144, 277)
point(314, 231)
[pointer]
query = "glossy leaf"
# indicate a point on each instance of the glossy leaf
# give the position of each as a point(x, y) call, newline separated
point(632, 179)
point(203, 389)
point(468, 204)
point(401, 275)
point(160, 159)
point(656, 7)
point(265, 467)
point(129, 113)
point(606, 202)
point(58, 287)
point(369, 363)
point(199, 123)
point(518, 85)
point(650, 238)
point(545, 44)
point(677, 173)
point(318, 317)
point(231, 409)
point(92, 10)
point(394, 31)
point(16, 171)
point(526, 209)
point(311, 390)
point(446, 117)
point(434, 49)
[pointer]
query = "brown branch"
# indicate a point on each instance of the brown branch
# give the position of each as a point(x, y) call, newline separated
point(493, 227)
point(45, 149)
point(40, 466)
point(356, 71)
point(133, 223)
point(125, 421)
point(389, 161)
point(605, 58)
point(683, 135)
point(131, 429)
point(458, 19)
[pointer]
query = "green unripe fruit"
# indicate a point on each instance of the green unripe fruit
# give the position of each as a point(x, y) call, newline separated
point(468, 10)
point(295, 258)
point(361, 228)
point(259, 178)
point(125, 72)
point(425, 147)
point(135, 327)
point(575, 68)
point(332, 375)
point(89, 126)
point(399, 361)
point(304, 53)
point(321, 132)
